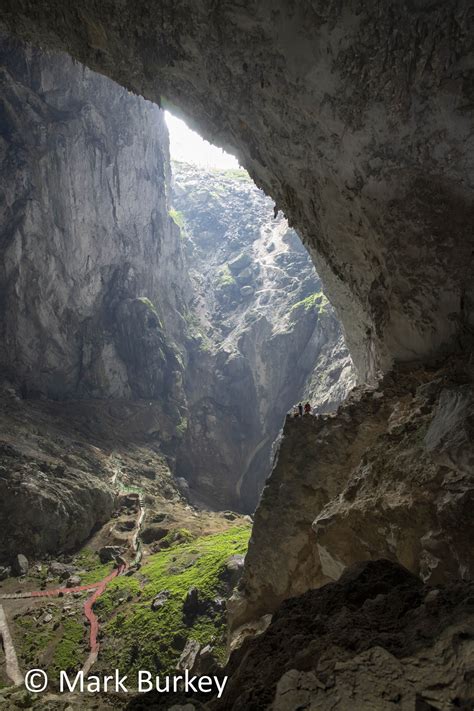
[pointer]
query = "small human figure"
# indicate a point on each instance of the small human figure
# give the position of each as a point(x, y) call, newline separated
point(307, 409)
point(295, 412)
point(300, 410)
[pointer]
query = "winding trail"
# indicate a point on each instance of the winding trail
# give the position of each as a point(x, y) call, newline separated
point(12, 666)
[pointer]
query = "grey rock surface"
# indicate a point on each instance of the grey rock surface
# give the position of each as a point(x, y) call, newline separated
point(20, 565)
point(92, 262)
point(388, 476)
point(356, 118)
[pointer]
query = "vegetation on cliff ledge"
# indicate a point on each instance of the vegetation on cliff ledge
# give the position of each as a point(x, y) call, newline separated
point(313, 301)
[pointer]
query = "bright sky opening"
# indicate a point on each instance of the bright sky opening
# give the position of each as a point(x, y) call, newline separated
point(189, 147)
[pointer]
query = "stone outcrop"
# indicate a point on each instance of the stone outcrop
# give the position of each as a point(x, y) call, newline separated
point(356, 118)
point(259, 324)
point(63, 463)
point(388, 476)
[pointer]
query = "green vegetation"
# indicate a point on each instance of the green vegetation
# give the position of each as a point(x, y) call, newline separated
point(89, 561)
point(142, 638)
point(64, 640)
point(313, 301)
point(236, 174)
point(178, 219)
point(182, 426)
point(225, 277)
point(34, 639)
point(67, 655)
point(195, 326)
point(150, 305)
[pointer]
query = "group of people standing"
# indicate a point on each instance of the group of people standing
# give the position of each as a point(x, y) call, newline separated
point(299, 409)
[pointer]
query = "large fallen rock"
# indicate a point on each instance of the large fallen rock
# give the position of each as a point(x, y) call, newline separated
point(46, 508)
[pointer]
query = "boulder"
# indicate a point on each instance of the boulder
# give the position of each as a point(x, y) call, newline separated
point(153, 533)
point(233, 569)
point(20, 565)
point(246, 291)
point(239, 263)
point(107, 554)
point(189, 656)
point(60, 570)
point(73, 581)
point(5, 572)
point(245, 276)
point(160, 600)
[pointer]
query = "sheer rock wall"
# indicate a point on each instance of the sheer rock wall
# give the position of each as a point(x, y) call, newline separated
point(92, 267)
point(259, 324)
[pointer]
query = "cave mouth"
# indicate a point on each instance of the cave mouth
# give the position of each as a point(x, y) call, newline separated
point(159, 320)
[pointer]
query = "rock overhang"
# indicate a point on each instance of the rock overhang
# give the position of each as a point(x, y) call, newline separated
point(357, 120)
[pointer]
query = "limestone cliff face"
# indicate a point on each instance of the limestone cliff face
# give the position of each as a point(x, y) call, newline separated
point(260, 325)
point(91, 288)
point(388, 476)
point(357, 118)
point(92, 264)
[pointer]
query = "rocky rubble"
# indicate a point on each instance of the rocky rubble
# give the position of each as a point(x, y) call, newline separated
point(377, 639)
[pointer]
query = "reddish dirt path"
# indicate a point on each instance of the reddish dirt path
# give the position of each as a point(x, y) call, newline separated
point(89, 612)
point(98, 588)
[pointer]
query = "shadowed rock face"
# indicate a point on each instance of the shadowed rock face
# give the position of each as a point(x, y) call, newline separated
point(356, 118)
point(377, 639)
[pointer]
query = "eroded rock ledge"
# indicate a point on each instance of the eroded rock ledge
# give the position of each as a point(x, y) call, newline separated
point(390, 475)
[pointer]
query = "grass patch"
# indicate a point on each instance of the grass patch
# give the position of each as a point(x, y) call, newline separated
point(34, 639)
point(95, 570)
point(178, 218)
point(67, 654)
point(140, 638)
point(313, 301)
point(225, 277)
